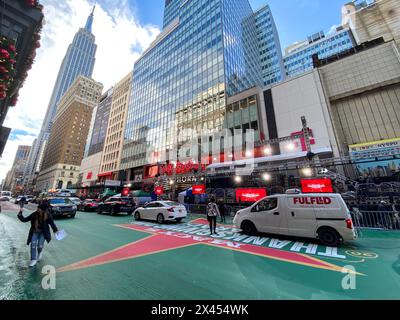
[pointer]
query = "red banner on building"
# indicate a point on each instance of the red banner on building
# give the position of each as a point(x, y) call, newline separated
point(199, 189)
point(159, 191)
point(89, 175)
point(250, 195)
point(316, 185)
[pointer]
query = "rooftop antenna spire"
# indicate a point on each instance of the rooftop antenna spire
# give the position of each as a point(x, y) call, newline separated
point(89, 22)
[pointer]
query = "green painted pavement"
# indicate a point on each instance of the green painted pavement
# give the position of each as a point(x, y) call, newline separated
point(195, 272)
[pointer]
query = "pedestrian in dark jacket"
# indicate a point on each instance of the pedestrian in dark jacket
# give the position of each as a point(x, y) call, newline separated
point(222, 212)
point(39, 232)
point(212, 214)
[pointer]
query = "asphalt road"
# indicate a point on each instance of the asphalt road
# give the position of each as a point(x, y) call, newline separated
point(106, 257)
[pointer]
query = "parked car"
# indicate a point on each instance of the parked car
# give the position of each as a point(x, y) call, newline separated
point(89, 205)
point(161, 211)
point(115, 205)
point(5, 198)
point(319, 216)
point(62, 207)
point(76, 201)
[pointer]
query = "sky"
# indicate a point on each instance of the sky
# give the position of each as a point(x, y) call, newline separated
point(124, 29)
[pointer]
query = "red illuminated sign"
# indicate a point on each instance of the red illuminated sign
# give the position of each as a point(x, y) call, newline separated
point(316, 185)
point(181, 168)
point(199, 189)
point(250, 195)
point(125, 191)
point(159, 190)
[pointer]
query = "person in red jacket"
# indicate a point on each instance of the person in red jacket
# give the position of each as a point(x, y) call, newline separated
point(41, 221)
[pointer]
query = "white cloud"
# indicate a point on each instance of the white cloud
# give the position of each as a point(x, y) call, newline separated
point(120, 39)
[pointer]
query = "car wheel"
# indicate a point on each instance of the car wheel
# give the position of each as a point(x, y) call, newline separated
point(100, 210)
point(179, 220)
point(329, 237)
point(137, 216)
point(113, 211)
point(248, 227)
point(130, 213)
point(160, 218)
point(72, 216)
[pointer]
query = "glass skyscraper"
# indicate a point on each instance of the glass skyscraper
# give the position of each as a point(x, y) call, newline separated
point(298, 58)
point(206, 53)
point(79, 60)
point(272, 67)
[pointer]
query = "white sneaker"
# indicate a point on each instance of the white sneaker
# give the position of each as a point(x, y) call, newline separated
point(40, 256)
point(32, 263)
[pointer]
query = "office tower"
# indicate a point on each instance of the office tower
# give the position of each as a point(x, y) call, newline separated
point(272, 67)
point(79, 60)
point(66, 143)
point(100, 125)
point(15, 175)
point(114, 139)
point(298, 58)
point(206, 53)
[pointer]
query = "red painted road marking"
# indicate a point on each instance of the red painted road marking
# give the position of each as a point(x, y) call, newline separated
point(164, 240)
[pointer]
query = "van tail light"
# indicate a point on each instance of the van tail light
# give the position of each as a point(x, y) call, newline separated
point(171, 209)
point(349, 224)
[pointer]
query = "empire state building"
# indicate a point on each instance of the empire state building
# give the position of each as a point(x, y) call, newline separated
point(79, 60)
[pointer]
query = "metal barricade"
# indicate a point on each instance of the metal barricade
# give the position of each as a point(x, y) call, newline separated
point(385, 220)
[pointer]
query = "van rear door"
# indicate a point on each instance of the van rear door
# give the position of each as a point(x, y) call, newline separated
point(301, 216)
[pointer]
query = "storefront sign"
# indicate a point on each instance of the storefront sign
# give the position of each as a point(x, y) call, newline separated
point(159, 191)
point(316, 185)
point(181, 168)
point(186, 179)
point(112, 183)
point(199, 189)
point(250, 195)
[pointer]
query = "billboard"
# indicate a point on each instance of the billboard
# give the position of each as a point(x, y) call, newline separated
point(250, 194)
point(199, 189)
point(377, 158)
point(316, 185)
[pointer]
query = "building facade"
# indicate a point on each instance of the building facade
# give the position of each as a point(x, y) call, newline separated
point(206, 53)
point(299, 58)
point(79, 60)
point(114, 139)
point(101, 117)
point(371, 19)
point(66, 144)
point(20, 27)
point(273, 70)
point(14, 180)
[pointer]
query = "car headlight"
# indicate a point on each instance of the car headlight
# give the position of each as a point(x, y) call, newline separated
point(74, 208)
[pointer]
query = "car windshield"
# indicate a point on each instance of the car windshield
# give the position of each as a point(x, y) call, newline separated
point(171, 203)
point(60, 201)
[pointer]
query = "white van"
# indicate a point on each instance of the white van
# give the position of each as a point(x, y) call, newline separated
point(321, 216)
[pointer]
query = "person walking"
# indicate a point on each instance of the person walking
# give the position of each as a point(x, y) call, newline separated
point(222, 212)
point(22, 202)
point(212, 214)
point(39, 232)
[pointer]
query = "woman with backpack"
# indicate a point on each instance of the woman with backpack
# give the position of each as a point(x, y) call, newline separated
point(212, 214)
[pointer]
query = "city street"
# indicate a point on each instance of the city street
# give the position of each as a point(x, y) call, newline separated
point(114, 257)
